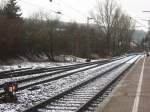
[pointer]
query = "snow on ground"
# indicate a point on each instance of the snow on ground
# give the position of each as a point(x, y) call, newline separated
point(27, 97)
point(42, 74)
point(26, 64)
point(33, 65)
point(66, 60)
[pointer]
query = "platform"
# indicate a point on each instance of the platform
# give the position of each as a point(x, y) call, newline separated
point(133, 92)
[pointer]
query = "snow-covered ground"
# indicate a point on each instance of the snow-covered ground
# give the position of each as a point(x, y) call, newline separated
point(28, 97)
point(26, 64)
point(33, 65)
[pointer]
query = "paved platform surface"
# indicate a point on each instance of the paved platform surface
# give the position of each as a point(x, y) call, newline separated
point(133, 94)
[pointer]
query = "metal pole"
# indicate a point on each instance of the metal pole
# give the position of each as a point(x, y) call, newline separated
point(87, 39)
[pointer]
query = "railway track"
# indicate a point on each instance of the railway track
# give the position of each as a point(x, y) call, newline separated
point(26, 83)
point(9, 72)
point(79, 97)
point(29, 71)
point(64, 69)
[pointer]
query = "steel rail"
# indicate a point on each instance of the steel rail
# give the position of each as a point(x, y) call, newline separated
point(51, 79)
point(57, 72)
point(16, 73)
point(29, 71)
point(101, 92)
point(43, 104)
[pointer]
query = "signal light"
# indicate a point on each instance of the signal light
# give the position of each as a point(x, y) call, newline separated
point(10, 89)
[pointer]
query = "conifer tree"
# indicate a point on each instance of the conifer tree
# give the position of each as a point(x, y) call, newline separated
point(12, 10)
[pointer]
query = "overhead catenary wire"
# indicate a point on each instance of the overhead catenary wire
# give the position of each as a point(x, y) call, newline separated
point(47, 9)
point(79, 14)
point(73, 9)
point(70, 17)
point(37, 6)
point(70, 7)
point(142, 25)
point(82, 14)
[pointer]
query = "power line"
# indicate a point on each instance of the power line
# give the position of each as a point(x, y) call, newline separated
point(38, 6)
point(42, 7)
point(56, 12)
point(62, 4)
point(74, 9)
point(139, 22)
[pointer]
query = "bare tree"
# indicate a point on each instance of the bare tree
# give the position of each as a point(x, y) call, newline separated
point(116, 26)
point(104, 18)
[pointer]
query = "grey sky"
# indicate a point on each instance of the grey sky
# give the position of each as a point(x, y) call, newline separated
point(134, 8)
point(78, 10)
point(72, 10)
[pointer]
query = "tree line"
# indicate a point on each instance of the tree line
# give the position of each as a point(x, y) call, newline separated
point(41, 35)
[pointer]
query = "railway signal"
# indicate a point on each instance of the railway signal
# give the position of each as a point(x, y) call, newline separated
point(10, 89)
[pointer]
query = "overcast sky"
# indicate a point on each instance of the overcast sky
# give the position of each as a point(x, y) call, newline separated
point(78, 10)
